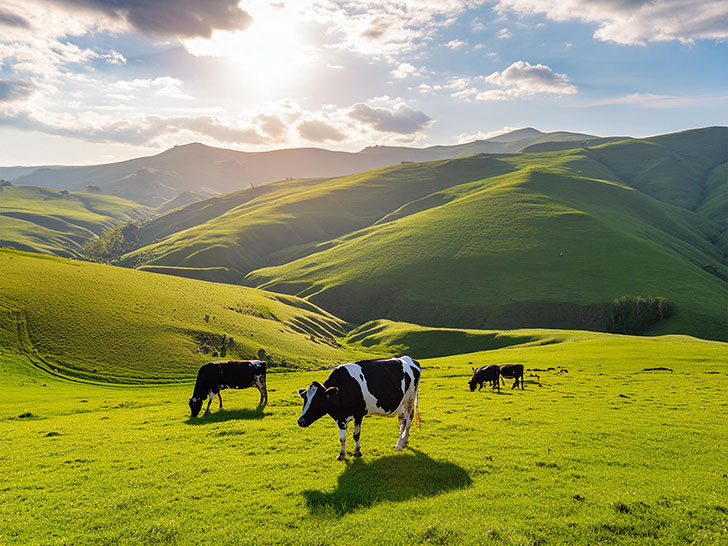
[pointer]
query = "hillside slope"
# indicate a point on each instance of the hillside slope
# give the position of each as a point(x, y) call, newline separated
point(50, 222)
point(102, 323)
point(488, 241)
point(213, 171)
point(533, 248)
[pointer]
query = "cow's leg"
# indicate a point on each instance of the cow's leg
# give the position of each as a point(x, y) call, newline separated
point(404, 438)
point(207, 411)
point(342, 438)
point(521, 382)
point(480, 386)
point(219, 395)
point(515, 384)
point(357, 432)
point(260, 384)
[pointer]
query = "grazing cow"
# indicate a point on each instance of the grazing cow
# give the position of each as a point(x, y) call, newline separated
point(512, 371)
point(385, 386)
point(485, 374)
point(228, 374)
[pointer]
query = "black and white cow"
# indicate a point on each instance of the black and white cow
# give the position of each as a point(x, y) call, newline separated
point(227, 374)
point(512, 371)
point(485, 374)
point(386, 386)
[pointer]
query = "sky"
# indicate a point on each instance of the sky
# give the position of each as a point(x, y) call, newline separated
point(96, 81)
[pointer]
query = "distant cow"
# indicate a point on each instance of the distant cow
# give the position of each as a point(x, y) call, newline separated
point(485, 374)
point(512, 371)
point(228, 374)
point(385, 386)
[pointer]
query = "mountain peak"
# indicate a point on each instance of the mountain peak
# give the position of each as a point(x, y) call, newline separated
point(518, 134)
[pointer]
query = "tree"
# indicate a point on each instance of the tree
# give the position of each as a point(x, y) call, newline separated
point(93, 189)
point(113, 244)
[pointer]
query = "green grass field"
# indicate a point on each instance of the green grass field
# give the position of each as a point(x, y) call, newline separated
point(43, 220)
point(100, 323)
point(602, 452)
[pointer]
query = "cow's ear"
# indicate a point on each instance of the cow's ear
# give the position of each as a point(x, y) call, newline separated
point(473, 369)
point(302, 393)
point(332, 391)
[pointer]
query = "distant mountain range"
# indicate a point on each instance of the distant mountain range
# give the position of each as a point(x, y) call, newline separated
point(207, 171)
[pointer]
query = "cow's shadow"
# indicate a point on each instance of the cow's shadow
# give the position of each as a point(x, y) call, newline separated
point(219, 416)
point(393, 478)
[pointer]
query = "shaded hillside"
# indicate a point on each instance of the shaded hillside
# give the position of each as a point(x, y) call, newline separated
point(528, 240)
point(213, 171)
point(533, 248)
point(103, 323)
point(52, 222)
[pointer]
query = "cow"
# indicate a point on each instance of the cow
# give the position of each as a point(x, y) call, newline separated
point(485, 374)
point(227, 374)
point(385, 386)
point(512, 371)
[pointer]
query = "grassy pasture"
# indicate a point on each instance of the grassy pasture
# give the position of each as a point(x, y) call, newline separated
point(604, 453)
point(44, 220)
point(95, 322)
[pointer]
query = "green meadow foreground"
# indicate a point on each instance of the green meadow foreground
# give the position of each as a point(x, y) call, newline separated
point(606, 452)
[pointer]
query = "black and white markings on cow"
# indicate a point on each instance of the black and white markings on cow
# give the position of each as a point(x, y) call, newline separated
point(387, 386)
point(214, 377)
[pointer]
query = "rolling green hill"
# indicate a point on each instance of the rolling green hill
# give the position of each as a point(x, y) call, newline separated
point(488, 241)
point(212, 171)
point(101, 323)
point(51, 222)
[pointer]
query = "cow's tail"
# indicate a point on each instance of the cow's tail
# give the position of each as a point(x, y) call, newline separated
point(417, 396)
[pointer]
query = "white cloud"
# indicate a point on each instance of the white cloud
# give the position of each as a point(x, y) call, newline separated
point(650, 100)
point(455, 44)
point(404, 70)
point(523, 79)
point(386, 27)
point(504, 34)
point(635, 22)
point(163, 86)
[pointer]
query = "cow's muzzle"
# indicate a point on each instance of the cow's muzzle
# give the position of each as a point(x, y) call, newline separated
point(302, 422)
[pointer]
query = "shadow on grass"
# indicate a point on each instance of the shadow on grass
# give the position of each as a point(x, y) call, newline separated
point(392, 478)
point(228, 415)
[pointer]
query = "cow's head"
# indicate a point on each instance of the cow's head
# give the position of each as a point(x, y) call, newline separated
point(316, 402)
point(195, 406)
point(472, 382)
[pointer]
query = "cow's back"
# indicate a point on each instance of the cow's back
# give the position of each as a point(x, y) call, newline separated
point(383, 384)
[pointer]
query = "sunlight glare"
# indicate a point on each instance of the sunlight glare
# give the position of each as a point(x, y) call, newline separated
point(267, 57)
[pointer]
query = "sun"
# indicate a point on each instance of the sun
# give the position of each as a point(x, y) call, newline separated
point(268, 57)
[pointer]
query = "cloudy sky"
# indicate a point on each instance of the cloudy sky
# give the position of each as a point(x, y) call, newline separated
point(90, 81)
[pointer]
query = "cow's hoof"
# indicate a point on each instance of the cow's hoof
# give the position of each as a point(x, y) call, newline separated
point(341, 457)
point(357, 454)
point(398, 448)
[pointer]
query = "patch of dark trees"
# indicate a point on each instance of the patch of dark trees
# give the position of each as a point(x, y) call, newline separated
point(625, 315)
point(635, 314)
point(113, 244)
